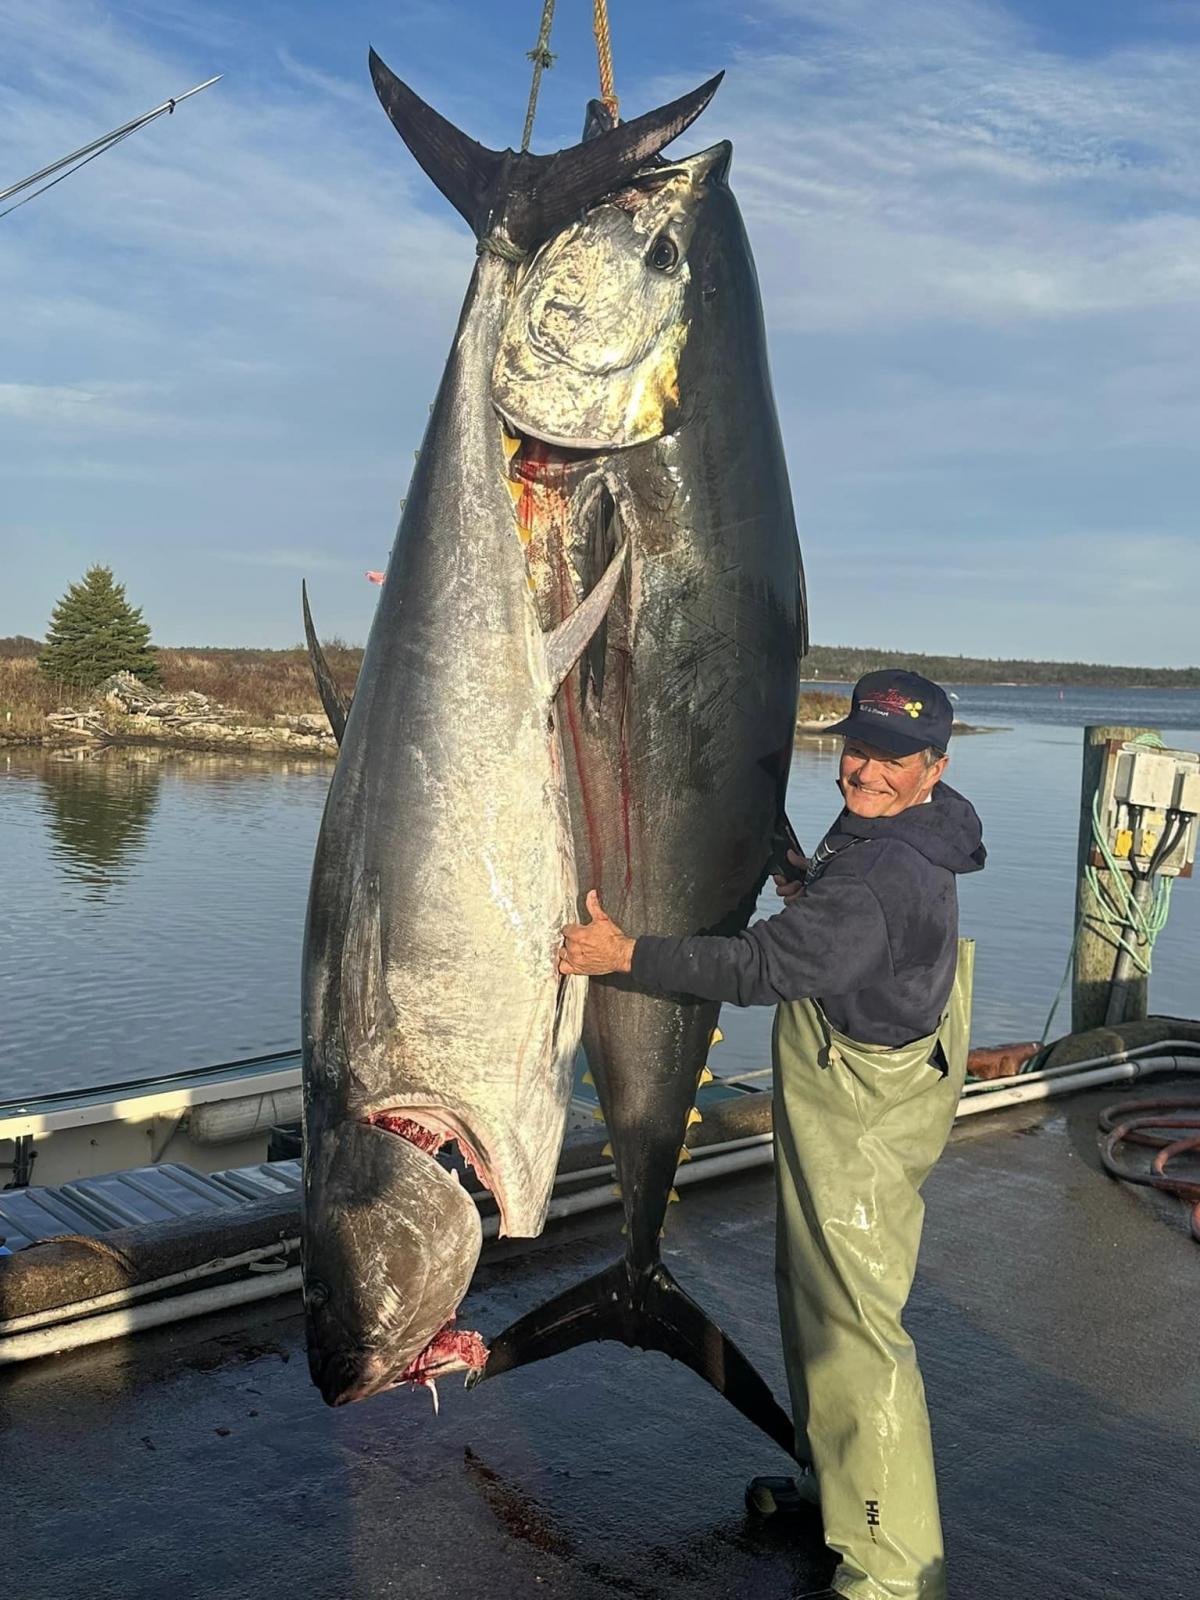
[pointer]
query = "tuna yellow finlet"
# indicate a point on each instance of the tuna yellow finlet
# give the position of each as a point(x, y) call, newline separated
point(717, 1037)
point(673, 1197)
point(706, 1075)
point(511, 445)
point(607, 1150)
point(597, 1115)
point(694, 1117)
point(587, 1078)
point(684, 1154)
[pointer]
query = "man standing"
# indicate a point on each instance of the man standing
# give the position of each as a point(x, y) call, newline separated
point(869, 1054)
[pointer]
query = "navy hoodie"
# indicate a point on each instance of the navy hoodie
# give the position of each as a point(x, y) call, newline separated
point(873, 936)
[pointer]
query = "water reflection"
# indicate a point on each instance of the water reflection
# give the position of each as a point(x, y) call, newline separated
point(154, 900)
point(99, 812)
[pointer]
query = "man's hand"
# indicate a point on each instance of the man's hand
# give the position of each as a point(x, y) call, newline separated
point(789, 888)
point(591, 949)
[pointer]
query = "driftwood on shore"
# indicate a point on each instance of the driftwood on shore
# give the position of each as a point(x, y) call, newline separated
point(125, 710)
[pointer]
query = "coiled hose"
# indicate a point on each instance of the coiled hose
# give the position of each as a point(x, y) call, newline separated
point(1172, 1128)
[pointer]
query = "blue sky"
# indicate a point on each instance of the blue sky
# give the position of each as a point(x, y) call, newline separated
point(977, 228)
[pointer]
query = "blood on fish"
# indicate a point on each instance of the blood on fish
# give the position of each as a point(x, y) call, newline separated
point(462, 1347)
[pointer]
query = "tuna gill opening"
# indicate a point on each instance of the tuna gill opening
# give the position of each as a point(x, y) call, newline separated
point(451, 1349)
point(437, 1139)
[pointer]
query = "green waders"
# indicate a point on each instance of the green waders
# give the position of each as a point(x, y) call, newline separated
point(857, 1129)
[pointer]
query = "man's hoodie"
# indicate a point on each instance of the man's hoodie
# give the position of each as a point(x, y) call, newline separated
point(873, 937)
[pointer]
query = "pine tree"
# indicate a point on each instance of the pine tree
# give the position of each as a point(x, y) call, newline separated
point(94, 632)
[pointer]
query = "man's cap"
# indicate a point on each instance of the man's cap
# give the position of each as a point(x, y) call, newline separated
point(900, 712)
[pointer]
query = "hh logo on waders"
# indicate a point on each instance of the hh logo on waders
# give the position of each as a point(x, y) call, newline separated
point(872, 1515)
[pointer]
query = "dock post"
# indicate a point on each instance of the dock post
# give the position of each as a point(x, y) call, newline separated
point(1095, 952)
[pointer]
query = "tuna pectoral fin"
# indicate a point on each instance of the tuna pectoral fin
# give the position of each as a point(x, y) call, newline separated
point(647, 1310)
point(568, 641)
point(337, 705)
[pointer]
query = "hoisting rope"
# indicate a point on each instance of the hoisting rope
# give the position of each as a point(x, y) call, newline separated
point(542, 59)
point(604, 56)
point(1114, 906)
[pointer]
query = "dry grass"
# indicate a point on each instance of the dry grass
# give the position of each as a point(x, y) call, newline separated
point(26, 695)
point(257, 682)
point(819, 703)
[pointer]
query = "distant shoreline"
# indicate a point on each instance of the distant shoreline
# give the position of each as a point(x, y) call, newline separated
point(1012, 683)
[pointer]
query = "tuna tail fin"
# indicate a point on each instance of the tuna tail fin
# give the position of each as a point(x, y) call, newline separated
point(528, 197)
point(337, 705)
point(647, 1310)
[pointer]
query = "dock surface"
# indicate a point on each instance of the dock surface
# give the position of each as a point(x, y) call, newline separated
point(1055, 1313)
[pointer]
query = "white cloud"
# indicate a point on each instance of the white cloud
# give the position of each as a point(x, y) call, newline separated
point(97, 405)
point(930, 161)
point(286, 560)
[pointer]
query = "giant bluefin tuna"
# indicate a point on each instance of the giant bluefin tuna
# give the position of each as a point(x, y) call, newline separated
point(633, 371)
point(432, 1009)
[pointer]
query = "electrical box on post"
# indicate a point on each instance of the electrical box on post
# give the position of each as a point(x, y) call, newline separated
point(1149, 808)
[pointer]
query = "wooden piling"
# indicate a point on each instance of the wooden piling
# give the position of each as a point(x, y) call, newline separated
point(1095, 952)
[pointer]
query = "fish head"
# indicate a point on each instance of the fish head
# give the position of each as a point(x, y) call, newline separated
point(390, 1240)
point(595, 342)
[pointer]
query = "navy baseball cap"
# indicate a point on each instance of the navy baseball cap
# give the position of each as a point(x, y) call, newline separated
point(900, 712)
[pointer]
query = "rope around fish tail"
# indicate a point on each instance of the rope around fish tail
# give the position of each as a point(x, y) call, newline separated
point(604, 56)
point(542, 59)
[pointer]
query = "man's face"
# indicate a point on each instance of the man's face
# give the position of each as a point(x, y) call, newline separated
point(877, 784)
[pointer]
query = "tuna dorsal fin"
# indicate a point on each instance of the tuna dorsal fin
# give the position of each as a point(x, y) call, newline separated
point(366, 1006)
point(337, 705)
point(567, 642)
point(523, 196)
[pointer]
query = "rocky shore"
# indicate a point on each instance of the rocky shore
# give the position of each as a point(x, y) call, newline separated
point(124, 711)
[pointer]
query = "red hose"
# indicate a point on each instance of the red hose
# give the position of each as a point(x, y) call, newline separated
point(1146, 1122)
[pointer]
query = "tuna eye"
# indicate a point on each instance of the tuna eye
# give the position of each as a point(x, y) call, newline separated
point(664, 253)
point(316, 1296)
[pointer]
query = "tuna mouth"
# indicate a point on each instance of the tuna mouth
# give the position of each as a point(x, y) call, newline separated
point(538, 457)
point(359, 1374)
point(451, 1350)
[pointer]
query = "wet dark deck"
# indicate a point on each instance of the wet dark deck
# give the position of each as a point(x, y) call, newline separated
point(1055, 1311)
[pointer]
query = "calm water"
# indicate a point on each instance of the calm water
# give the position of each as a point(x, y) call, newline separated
point(154, 903)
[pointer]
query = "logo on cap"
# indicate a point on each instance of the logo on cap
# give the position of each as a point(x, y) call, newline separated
point(890, 702)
